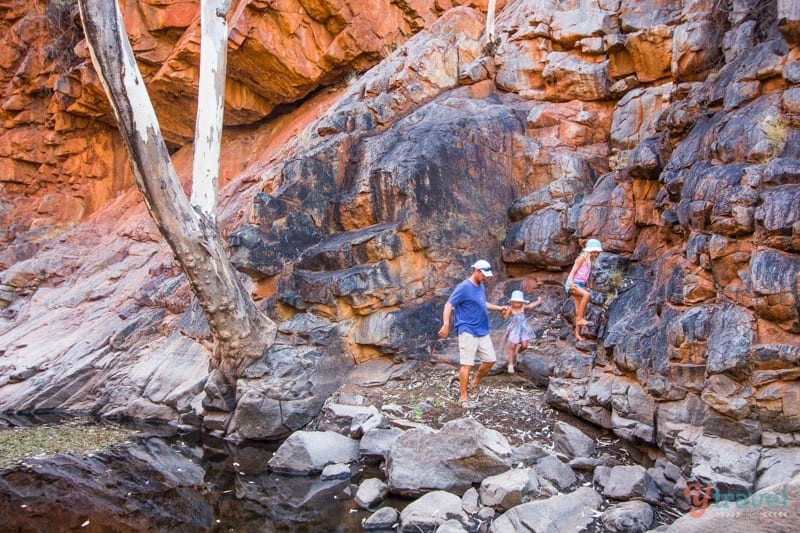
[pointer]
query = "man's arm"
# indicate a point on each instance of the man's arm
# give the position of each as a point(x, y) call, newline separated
point(447, 314)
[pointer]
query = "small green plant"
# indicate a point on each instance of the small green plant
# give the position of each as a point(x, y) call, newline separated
point(616, 281)
point(352, 77)
point(616, 276)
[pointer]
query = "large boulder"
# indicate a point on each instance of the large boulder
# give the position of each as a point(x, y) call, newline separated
point(726, 465)
point(564, 512)
point(308, 452)
point(777, 465)
point(508, 489)
point(631, 517)
point(622, 482)
point(572, 442)
point(283, 391)
point(463, 452)
point(432, 510)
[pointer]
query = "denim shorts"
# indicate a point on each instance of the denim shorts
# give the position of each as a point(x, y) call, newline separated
point(576, 283)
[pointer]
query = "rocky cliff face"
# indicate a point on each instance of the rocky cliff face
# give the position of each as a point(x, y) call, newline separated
point(666, 129)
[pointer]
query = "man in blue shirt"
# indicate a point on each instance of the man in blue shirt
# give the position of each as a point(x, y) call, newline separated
point(468, 303)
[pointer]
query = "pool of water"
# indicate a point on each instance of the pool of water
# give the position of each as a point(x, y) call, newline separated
point(161, 480)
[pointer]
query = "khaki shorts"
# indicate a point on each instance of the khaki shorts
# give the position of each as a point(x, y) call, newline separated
point(469, 345)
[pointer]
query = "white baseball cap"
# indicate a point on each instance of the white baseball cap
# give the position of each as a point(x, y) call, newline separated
point(484, 267)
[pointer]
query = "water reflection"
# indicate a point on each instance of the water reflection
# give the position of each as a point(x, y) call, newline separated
point(163, 481)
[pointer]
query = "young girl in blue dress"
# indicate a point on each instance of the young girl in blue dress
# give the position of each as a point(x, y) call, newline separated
point(518, 332)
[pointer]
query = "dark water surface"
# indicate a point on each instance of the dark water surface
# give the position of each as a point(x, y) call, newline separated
point(164, 481)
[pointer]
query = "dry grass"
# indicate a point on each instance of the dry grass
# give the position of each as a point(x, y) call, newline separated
point(40, 442)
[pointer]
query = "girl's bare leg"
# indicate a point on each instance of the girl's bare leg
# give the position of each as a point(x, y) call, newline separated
point(515, 349)
point(581, 298)
point(512, 351)
point(581, 301)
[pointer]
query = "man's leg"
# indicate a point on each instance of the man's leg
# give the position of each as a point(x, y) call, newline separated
point(463, 379)
point(467, 346)
point(486, 353)
point(482, 371)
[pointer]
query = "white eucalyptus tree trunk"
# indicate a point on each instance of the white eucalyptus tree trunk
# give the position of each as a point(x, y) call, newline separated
point(490, 21)
point(210, 104)
point(241, 332)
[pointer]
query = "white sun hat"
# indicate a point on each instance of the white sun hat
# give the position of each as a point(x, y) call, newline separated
point(593, 245)
point(517, 296)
